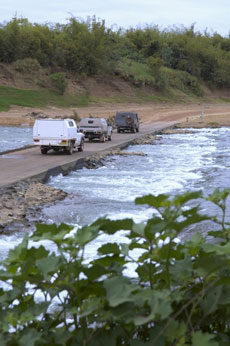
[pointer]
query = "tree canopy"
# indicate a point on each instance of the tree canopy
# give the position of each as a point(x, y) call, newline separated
point(88, 48)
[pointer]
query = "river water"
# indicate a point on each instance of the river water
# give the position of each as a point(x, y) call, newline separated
point(13, 137)
point(175, 163)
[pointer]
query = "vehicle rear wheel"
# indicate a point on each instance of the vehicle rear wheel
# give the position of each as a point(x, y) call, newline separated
point(133, 130)
point(102, 138)
point(44, 151)
point(81, 148)
point(69, 150)
point(137, 129)
point(110, 138)
point(118, 130)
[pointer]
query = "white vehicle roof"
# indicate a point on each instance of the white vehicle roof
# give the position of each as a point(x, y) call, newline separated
point(54, 128)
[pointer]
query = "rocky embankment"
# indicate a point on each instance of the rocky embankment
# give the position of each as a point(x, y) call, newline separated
point(21, 203)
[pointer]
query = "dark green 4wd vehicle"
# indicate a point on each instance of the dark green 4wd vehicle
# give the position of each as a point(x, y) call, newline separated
point(127, 121)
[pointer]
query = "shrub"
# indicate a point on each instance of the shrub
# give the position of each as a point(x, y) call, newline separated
point(59, 82)
point(162, 80)
point(179, 294)
point(155, 64)
point(26, 65)
point(138, 73)
point(76, 116)
point(176, 79)
point(42, 82)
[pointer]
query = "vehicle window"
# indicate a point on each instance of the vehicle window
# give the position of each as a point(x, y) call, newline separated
point(90, 121)
point(71, 124)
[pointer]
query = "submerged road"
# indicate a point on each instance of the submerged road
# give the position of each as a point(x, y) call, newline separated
point(29, 163)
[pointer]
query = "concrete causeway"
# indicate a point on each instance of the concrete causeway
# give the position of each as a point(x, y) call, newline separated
point(27, 163)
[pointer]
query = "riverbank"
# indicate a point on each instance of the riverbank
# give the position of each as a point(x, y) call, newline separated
point(22, 201)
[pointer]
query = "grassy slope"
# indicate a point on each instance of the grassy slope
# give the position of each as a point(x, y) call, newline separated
point(38, 98)
point(43, 97)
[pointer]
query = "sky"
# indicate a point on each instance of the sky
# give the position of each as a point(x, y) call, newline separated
point(207, 15)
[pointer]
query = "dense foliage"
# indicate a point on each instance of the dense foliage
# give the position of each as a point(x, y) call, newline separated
point(178, 57)
point(176, 292)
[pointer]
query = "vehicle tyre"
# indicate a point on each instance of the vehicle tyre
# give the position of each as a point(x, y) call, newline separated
point(118, 130)
point(69, 150)
point(137, 129)
point(44, 151)
point(110, 138)
point(133, 129)
point(102, 138)
point(81, 148)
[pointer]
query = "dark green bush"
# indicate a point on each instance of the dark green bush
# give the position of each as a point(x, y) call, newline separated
point(179, 294)
point(59, 82)
point(168, 78)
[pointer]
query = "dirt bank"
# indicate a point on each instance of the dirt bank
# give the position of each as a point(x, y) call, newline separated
point(188, 114)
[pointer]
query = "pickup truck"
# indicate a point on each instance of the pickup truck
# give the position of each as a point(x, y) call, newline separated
point(95, 128)
point(57, 134)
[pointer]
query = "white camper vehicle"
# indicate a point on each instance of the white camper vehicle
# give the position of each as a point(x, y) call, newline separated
point(95, 128)
point(57, 134)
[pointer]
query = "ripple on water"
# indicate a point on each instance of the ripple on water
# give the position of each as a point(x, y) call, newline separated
point(13, 137)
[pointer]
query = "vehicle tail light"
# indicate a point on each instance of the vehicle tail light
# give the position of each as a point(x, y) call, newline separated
point(64, 141)
point(36, 140)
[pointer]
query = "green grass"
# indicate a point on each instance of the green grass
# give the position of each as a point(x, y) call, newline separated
point(42, 98)
point(140, 96)
point(38, 98)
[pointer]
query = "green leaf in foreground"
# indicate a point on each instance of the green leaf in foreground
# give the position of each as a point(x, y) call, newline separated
point(166, 285)
point(119, 290)
point(204, 339)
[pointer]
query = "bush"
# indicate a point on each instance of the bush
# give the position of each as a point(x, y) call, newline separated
point(162, 80)
point(178, 293)
point(26, 65)
point(76, 117)
point(181, 80)
point(59, 82)
point(138, 73)
point(42, 82)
